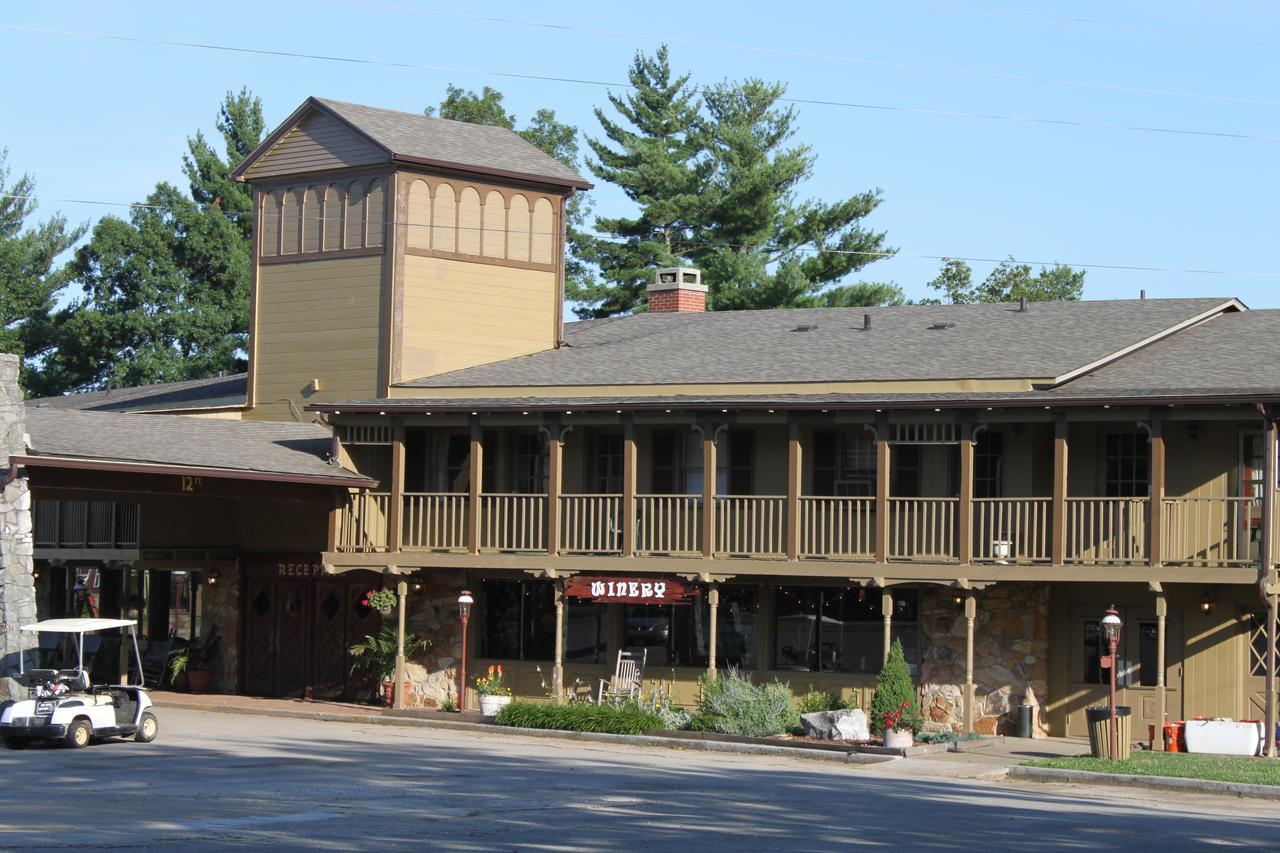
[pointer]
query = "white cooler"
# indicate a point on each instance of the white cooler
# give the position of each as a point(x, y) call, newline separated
point(1224, 737)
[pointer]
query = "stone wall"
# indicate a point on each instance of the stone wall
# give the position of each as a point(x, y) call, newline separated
point(433, 613)
point(17, 586)
point(221, 608)
point(1010, 654)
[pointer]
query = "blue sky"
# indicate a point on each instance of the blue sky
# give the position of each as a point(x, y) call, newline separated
point(106, 120)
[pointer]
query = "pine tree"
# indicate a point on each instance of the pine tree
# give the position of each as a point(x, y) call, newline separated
point(166, 292)
point(893, 689)
point(29, 282)
point(651, 154)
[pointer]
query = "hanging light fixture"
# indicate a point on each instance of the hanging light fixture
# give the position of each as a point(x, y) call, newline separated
point(1206, 603)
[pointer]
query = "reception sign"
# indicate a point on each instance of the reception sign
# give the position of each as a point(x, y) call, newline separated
point(630, 590)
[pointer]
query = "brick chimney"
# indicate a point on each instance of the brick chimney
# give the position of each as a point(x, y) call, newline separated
point(677, 289)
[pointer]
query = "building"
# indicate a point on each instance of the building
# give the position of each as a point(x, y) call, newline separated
point(979, 482)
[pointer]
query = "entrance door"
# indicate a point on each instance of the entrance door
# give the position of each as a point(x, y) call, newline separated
point(1136, 679)
point(340, 622)
point(276, 612)
point(1255, 681)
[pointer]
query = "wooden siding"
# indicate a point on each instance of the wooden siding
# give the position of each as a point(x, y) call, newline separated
point(317, 320)
point(318, 143)
point(459, 314)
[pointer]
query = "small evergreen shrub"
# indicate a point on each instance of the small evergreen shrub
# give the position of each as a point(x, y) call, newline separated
point(895, 694)
point(731, 704)
point(579, 717)
point(817, 700)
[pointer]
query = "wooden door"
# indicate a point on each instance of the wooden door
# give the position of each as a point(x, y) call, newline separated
point(340, 622)
point(275, 613)
point(259, 659)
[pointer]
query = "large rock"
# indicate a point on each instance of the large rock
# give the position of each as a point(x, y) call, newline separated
point(836, 725)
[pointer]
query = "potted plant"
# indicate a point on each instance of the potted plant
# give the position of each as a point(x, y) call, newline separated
point(374, 660)
point(894, 713)
point(196, 659)
point(382, 600)
point(900, 726)
point(494, 693)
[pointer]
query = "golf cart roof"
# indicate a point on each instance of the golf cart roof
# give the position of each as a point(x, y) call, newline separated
point(78, 626)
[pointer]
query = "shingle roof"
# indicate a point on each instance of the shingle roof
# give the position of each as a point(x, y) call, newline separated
point(442, 141)
point(215, 392)
point(263, 447)
point(1049, 340)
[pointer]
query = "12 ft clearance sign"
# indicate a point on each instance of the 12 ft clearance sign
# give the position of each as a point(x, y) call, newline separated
point(630, 590)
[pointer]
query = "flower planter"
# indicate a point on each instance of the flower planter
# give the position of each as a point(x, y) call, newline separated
point(490, 705)
point(898, 738)
point(199, 680)
point(389, 692)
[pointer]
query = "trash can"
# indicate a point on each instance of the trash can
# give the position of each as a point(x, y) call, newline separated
point(1024, 720)
point(1099, 720)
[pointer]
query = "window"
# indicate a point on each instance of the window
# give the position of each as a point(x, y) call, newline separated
point(519, 623)
point(677, 463)
point(606, 463)
point(741, 453)
point(530, 461)
point(988, 465)
point(844, 463)
point(448, 467)
point(905, 471)
point(679, 634)
point(1128, 465)
point(1095, 648)
point(1148, 653)
point(830, 629)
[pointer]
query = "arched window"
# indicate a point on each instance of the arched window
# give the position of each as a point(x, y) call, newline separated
point(544, 232)
point(419, 215)
point(518, 229)
point(444, 217)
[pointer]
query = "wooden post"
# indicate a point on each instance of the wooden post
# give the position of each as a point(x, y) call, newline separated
point(970, 614)
point(397, 686)
point(1273, 614)
point(1155, 530)
point(886, 610)
point(1059, 524)
point(557, 668)
point(629, 519)
point(795, 472)
point(341, 497)
point(1162, 697)
point(964, 540)
point(395, 503)
point(708, 489)
point(555, 465)
point(475, 474)
point(713, 599)
point(883, 461)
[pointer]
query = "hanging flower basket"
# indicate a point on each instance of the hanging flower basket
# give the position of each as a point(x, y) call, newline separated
point(382, 600)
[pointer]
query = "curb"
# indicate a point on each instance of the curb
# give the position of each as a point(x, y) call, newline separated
point(591, 737)
point(1155, 783)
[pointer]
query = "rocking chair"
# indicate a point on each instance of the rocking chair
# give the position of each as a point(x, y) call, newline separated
point(626, 679)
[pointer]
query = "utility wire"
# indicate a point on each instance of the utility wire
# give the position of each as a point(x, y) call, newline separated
point(764, 247)
point(1075, 19)
point(801, 54)
point(586, 82)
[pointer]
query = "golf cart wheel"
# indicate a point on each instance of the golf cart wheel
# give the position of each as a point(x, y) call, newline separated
point(16, 742)
point(79, 734)
point(148, 728)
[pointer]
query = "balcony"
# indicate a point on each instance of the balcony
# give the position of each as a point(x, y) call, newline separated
point(1097, 531)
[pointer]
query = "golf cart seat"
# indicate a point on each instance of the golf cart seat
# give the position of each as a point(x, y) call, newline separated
point(38, 677)
point(77, 680)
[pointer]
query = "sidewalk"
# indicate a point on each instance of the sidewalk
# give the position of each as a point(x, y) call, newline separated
point(320, 709)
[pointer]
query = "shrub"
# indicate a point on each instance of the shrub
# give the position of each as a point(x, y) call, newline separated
point(895, 694)
point(657, 702)
point(818, 700)
point(731, 704)
point(578, 717)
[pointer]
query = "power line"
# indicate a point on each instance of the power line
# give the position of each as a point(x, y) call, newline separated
point(580, 81)
point(801, 54)
point(1076, 19)
point(764, 247)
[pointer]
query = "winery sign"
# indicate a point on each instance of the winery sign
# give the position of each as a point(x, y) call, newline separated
point(630, 590)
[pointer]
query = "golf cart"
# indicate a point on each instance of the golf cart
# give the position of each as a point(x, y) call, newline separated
point(61, 704)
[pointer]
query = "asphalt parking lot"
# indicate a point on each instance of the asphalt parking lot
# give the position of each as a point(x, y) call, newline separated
point(216, 780)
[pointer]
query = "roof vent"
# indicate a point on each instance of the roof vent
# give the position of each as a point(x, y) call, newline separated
point(1022, 305)
point(805, 327)
point(942, 325)
point(866, 322)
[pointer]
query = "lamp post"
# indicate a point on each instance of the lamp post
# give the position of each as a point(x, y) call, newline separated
point(464, 613)
point(1111, 625)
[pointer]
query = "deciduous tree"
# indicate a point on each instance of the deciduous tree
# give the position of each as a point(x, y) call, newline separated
point(1008, 282)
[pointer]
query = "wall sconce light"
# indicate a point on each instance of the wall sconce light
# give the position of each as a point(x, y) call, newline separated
point(1206, 603)
point(35, 574)
point(212, 578)
point(958, 599)
point(417, 586)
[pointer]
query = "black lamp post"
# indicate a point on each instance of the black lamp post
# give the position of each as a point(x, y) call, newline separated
point(464, 613)
point(1111, 625)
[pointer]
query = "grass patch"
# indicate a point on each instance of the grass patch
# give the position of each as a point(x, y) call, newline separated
point(1218, 768)
point(579, 717)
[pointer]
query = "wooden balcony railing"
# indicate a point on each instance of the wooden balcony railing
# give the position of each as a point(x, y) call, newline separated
point(1106, 530)
point(1209, 531)
point(591, 524)
point(513, 522)
point(922, 528)
point(85, 524)
point(669, 524)
point(840, 528)
point(751, 525)
point(435, 521)
point(1014, 530)
point(363, 522)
